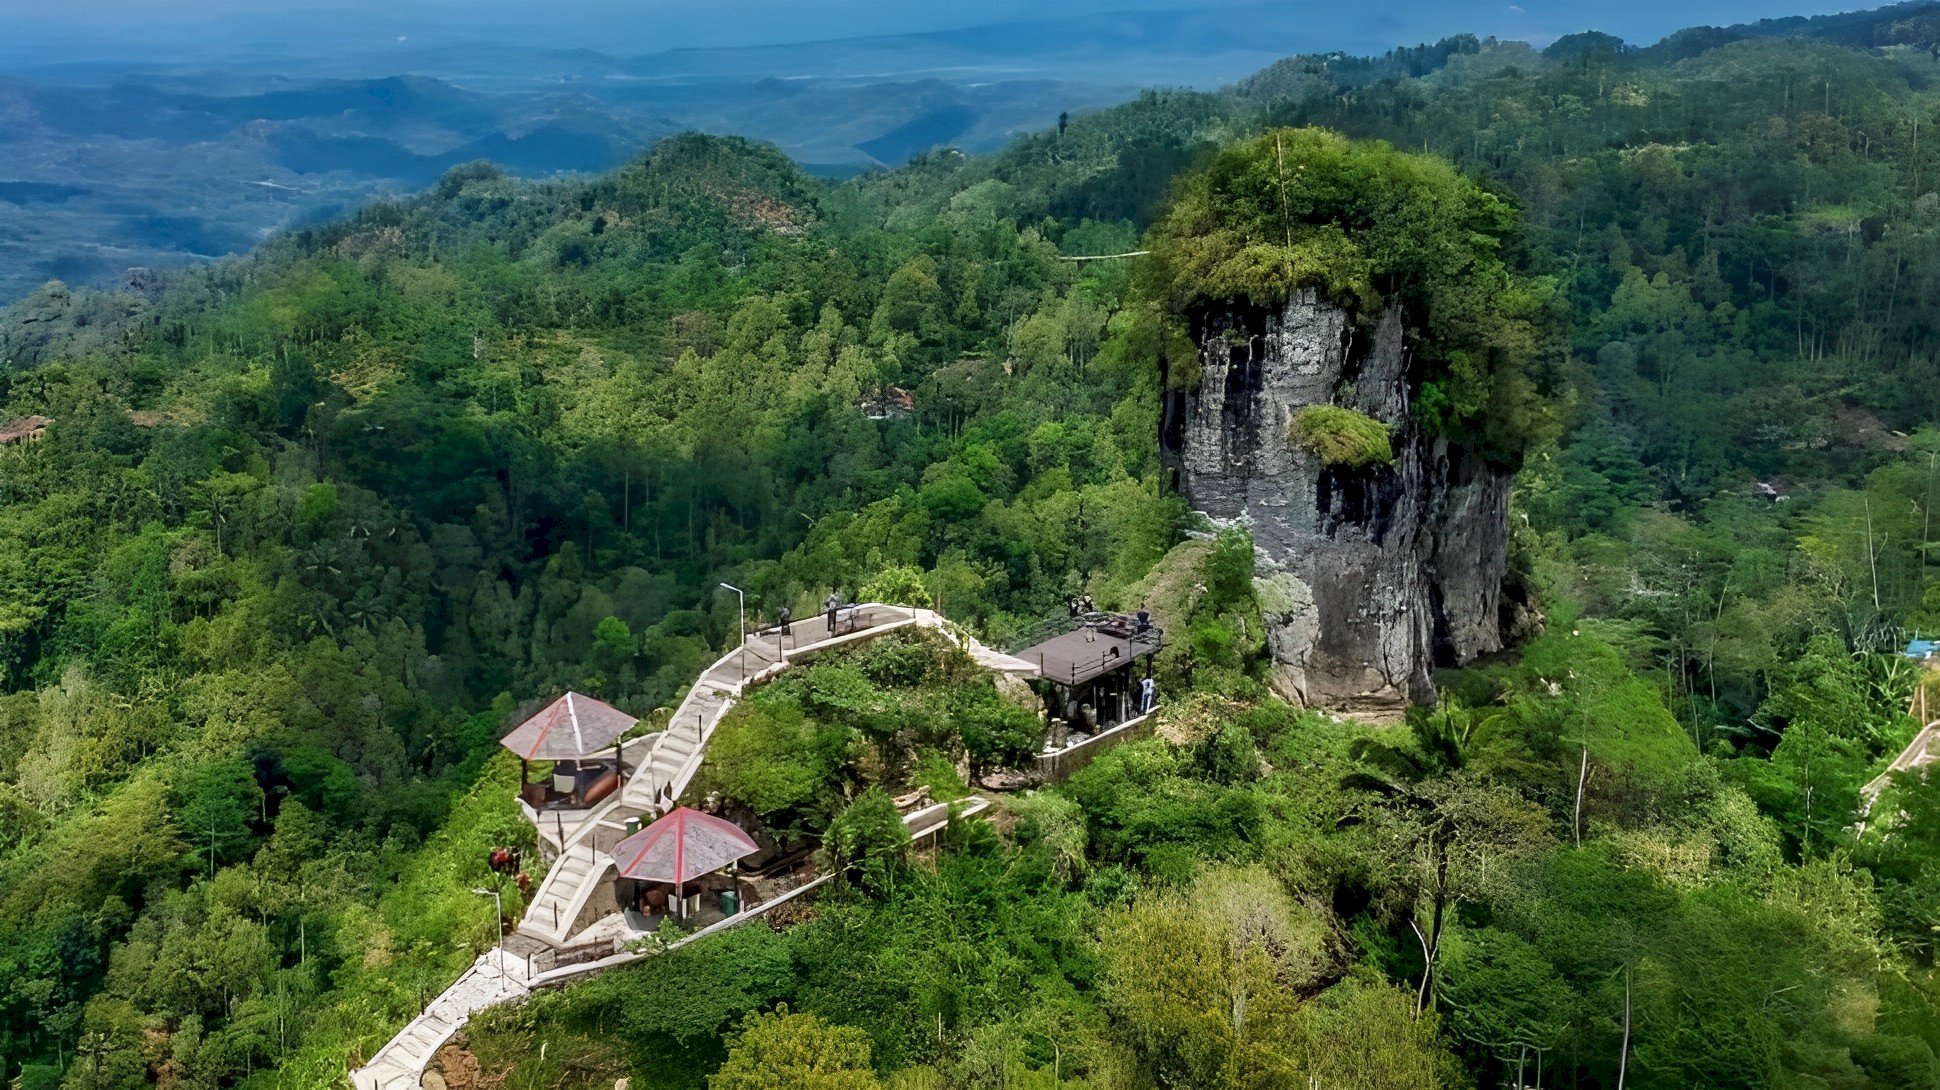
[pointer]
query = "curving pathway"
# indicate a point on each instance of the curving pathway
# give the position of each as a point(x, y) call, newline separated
point(664, 763)
point(1923, 750)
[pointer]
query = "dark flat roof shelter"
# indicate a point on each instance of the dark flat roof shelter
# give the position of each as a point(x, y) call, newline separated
point(1088, 653)
point(571, 728)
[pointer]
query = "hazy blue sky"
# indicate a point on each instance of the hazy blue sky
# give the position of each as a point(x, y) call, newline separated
point(59, 30)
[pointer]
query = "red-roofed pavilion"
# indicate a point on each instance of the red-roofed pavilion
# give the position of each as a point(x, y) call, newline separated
point(581, 736)
point(681, 847)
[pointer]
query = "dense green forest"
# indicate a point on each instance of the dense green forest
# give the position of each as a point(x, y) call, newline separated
point(305, 530)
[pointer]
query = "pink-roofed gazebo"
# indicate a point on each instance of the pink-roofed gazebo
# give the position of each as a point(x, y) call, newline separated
point(681, 847)
point(574, 731)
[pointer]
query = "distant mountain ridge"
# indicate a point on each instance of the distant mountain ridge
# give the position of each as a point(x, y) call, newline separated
point(95, 180)
point(104, 167)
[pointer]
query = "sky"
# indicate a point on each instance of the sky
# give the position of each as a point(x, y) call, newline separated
point(44, 32)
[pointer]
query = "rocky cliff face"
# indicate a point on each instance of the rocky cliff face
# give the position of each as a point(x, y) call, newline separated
point(1369, 577)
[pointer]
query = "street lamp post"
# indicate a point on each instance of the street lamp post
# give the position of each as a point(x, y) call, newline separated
point(498, 925)
point(744, 626)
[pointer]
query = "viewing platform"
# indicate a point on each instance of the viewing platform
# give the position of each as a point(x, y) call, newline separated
point(606, 791)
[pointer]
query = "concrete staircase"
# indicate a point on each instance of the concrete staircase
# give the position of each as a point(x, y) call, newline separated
point(669, 766)
point(677, 756)
point(558, 900)
point(400, 1064)
point(672, 759)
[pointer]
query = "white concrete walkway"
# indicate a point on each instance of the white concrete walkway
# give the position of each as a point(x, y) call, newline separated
point(1922, 751)
point(400, 1064)
point(665, 764)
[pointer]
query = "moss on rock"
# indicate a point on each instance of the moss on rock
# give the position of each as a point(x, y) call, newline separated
point(1342, 437)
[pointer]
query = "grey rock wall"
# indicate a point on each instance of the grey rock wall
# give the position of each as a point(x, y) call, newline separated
point(1369, 577)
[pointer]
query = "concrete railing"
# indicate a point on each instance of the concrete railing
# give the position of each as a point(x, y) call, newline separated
point(1062, 763)
point(403, 1059)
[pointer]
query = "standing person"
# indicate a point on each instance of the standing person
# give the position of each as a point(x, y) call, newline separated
point(1144, 620)
point(782, 617)
point(831, 604)
point(1148, 694)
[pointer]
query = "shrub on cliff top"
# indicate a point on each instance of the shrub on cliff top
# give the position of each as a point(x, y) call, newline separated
point(1342, 437)
point(1308, 208)
point(1365, 226)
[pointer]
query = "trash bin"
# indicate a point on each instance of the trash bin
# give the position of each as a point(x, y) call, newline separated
point(730, 902)
point(632, 825)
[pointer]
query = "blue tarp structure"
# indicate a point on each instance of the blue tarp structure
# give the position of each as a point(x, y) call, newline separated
point(1917, 648)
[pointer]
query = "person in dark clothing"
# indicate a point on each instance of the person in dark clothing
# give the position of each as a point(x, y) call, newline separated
point(1144, 618)
point(782, 617)
point(833, 603)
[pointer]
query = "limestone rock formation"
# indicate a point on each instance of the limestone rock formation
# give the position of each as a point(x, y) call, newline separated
point(1369, 576)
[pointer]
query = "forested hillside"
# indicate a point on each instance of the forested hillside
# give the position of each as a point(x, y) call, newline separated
point(296, 536)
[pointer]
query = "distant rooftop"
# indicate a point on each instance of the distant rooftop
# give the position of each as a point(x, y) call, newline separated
point(27, 427)
point(888, 403)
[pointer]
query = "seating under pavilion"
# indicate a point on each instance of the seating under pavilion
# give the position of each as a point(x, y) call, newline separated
point(581, 737)
point(682, 855)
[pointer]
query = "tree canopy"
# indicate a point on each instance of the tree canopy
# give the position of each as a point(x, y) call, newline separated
point(1369, 227)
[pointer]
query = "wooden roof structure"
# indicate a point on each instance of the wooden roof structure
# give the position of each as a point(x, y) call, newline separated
point(571, 728)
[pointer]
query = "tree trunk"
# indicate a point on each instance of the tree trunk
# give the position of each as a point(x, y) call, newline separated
point(1582, 775)
point(1623, 1058)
